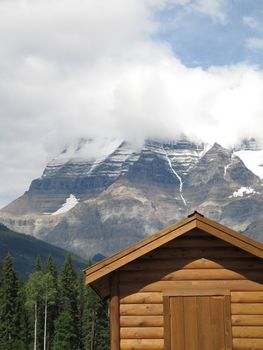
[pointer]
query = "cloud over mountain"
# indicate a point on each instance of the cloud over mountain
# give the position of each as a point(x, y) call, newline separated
point(72, 69)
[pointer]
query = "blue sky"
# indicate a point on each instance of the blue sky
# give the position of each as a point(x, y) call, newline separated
point(230, 35)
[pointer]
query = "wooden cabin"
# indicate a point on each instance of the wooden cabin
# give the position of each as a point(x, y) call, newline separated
point(196, 285)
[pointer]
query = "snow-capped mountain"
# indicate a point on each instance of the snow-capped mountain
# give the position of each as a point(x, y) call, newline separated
point(100, 196)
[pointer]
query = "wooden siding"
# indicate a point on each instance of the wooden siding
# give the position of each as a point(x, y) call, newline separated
point(195, 261)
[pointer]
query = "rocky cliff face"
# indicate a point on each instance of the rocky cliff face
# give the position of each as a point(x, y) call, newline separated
point(105, 202)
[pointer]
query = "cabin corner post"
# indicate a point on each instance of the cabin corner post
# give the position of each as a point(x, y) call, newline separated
point(114, 312)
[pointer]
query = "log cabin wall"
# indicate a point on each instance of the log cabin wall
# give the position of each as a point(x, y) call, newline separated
point(196, 261)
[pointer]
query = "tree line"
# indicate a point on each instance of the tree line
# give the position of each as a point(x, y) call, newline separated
point(50, 310)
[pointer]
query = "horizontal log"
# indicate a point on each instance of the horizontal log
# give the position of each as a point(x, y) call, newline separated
point(196, 242)
point(213, 263)
point(247, 308)
point(164, 253)
point(142, 333)
point(142, 298)
point(142, 344)
point(160, 286)
point(247, 320)
point(141, 321)
point(247, 332)
point(188, 274)
point(247, 344)
point(196, 232)
point(247, 297)
point(141, 309)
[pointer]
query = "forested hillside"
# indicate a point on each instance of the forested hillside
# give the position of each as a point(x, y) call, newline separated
point(50, 310)
point(24, 249)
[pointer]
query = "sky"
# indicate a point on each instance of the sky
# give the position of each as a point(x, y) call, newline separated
point(129, 69)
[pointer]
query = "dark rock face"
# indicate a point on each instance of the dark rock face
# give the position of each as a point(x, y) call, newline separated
point(130, 193)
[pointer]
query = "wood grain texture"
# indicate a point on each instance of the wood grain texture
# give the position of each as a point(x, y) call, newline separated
point(142, 332)
point(190, 323)
point(247, 297)
point(114, 312)
point(199, 322)
point(203, 311)
point(196, 242)
point(194, 263)
point(183, 253)
point(177, 323)
point(141, 309)
point(141, 321)
point(247, 331)
point(189, 275)
point(142, 344)
point(247, 344)
point(228, 323)
point(142, 298)
point(167, 323)
point(247, 320)
point(247, 308)
point(161, 286)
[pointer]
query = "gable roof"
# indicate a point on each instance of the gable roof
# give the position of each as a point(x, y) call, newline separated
point(102, 269)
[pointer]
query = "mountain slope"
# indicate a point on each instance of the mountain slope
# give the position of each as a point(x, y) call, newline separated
point(103, 203)
point(24, 250)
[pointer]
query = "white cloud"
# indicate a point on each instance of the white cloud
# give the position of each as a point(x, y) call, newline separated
point(255, 43)
point(72, 69)
point(251, 22)
point(216, 9)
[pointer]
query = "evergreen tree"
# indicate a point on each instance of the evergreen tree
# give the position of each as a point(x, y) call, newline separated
point(96, 322)
point(22, 319)
point(68, 295)
point(103, 326)
point(38, 264)
point(8, 306)
point(68, 286)
point(50, 267)
point(82, 300)
point(40, 322)
point(65, 334)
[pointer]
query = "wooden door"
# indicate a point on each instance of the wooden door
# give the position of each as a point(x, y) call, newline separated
point(199, 322)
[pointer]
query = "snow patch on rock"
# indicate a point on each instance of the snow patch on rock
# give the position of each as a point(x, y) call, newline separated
point(70, 203)
point(253, 160)
point(242, 191)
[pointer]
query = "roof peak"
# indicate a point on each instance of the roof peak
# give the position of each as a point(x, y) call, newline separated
point(195, 213)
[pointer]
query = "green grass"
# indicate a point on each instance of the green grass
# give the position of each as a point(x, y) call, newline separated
point(25, 248)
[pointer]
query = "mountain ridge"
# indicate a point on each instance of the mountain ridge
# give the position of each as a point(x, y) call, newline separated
point(130, 193)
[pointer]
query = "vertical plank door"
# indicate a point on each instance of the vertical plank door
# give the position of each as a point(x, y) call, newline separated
point(200, 322)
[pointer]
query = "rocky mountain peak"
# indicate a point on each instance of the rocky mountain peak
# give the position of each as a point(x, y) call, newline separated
point(99, 201)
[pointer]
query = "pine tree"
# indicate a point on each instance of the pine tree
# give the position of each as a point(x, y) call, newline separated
point(40, 322)
point(82, 300)
point(50, 267)
point(8, 306)
point(96, 322)
point(22, 319)
point(68, 294)
point(38, 264)
point(103, 326)
point(65, 335)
